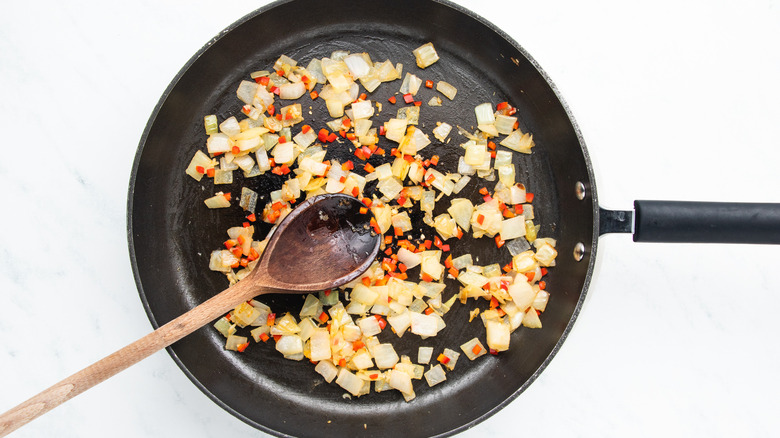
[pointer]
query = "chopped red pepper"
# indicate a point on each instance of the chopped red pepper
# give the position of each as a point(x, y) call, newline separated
point(324, 317)
point(264, 337)
point(366, 281)
point(425, 277)
point(322, 135)
point(368, 168)
point(263, 80)
point(271, 319)
point(443, 359)
point(314, 95)
point(454, 272)
point(381, 321)
point(363, 210)
point(391, 99)
point(375, 226)
point(235, 150)
point(210, 172)
point(435, 160)
point(529, 197)
point(408, 98)
point(200, 169)
point(502, 105)
point(332, 137)
point(477, 349)
point(429, 84)
point(480, 219)
point(499, 241)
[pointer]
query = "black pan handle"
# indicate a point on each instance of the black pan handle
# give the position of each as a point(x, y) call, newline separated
point(695, 222)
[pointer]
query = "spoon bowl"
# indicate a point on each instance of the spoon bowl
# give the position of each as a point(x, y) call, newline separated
point(324, 243)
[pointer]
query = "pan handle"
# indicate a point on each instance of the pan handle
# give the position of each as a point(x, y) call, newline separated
point(695, 222)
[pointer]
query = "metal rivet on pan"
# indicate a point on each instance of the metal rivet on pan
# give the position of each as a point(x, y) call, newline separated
point(579, 189)
point(579, 251)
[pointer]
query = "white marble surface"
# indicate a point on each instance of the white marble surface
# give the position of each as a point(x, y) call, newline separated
point(676, 100)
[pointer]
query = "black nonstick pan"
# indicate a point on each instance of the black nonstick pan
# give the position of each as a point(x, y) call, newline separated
point(171, 233)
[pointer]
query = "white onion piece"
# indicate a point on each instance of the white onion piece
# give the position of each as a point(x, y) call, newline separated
point(442, 131)
point(385, 356)
point(408, 258)
point(230, 126)
point(400, 322)
point(335, 107)
point(475, 154)
point(521, 292)
point(446, 89)
point(327, 370)
point(369, 326)
point(362, 360)
point(304, 140)
point(320, 344)
point(424, 325)
point(531, 319)
point(350, 382)
point(289, 345)
point(471, 346)
point(395, 129)
point(362, 110)
point(505, 124)
point(540, 302)
point(435, 375)
point(546, 254)
point(400, 381)
point(246, 91)
point(357, 65)
point(425, 55)
point(217, 143)
point(217, 201)
point(484, 113)
point(315, 70)
point(498, 333)
point(513, 228)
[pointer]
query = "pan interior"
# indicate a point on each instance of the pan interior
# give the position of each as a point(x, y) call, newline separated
point(171, 232)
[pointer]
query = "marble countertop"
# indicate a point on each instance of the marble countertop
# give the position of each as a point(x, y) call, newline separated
point(678, 100)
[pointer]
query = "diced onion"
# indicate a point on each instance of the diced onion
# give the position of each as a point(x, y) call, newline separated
point(425, 55)
point(435, 375)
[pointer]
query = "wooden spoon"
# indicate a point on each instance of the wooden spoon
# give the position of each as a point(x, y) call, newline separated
point(324, 243)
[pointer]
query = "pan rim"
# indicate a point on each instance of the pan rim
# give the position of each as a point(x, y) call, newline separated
point(590, 255)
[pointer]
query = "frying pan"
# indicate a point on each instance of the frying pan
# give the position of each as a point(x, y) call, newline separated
point(170, 233)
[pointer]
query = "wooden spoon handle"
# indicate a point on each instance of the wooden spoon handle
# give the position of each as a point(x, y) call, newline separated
point(127, 356)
